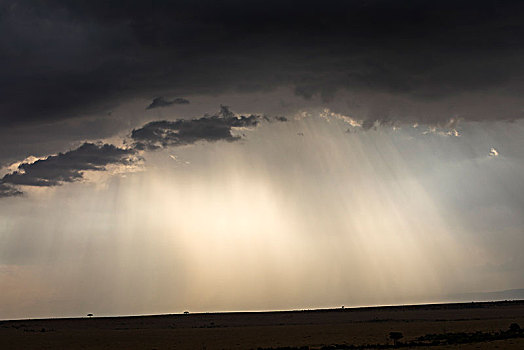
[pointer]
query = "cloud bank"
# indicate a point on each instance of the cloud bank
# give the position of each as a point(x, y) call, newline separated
point(65, 167)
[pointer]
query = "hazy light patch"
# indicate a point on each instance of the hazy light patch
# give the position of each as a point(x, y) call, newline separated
point(276, 221)
point(23, 288)
point(343, 230)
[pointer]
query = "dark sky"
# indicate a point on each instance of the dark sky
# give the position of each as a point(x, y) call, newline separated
point(66, 65)
point(63, 59)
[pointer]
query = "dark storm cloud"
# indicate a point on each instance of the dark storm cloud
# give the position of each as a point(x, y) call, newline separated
point(65, 167)
point(162, 102)
point(61, 58)
point(274, 119)
point(161, 134)
point(70, 166)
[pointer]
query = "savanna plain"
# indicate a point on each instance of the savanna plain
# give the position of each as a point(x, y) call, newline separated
point(483, 325)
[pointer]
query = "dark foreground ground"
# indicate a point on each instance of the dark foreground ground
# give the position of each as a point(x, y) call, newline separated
point(442, 326)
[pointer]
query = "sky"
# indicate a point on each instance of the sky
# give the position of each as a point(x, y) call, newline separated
point(163, 156)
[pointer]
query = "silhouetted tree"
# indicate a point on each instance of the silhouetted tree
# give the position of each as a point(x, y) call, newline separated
point(395, 336)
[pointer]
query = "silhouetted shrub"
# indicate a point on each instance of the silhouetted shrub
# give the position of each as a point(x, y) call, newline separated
point(395, 336)
point(515, 328)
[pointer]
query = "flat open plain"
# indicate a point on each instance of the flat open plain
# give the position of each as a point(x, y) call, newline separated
point(252, 330)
